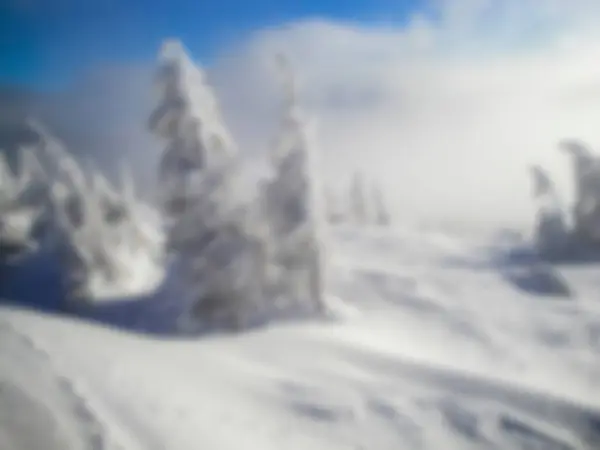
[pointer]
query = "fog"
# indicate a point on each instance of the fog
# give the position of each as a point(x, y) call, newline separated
point(447, 111)
point(450, 132)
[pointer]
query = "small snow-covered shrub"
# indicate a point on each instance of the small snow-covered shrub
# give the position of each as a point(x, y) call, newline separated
point(109, 243)
point(102, 238)
point(23, 194)
point(551, 234)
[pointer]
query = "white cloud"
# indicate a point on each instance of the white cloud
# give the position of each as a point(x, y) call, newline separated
point(448, 110)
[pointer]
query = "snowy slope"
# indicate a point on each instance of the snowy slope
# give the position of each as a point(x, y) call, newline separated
point(430, 345)
point(39, 408)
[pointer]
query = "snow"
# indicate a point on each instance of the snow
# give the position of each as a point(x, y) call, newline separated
point(425, 337)
point(429, 343)
point(94, 237)
point(39, 409)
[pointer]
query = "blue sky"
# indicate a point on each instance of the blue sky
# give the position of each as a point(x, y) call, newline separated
point(47, 43)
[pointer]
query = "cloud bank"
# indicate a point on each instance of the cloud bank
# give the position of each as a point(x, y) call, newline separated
point(446, 111)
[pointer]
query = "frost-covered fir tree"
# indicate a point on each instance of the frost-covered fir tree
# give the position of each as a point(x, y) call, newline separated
point(334, 211)
point(207, 222)
point(381, 214)
point(64, 213)
point(188, 119)
point(359, 204)
point(91, 230)
point(586, 174)
point(25, 193)
point(143, 219)
point(19, 210)
point(295, 206)
point(551, 234)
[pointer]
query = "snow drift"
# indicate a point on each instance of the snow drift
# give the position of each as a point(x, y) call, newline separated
point(426, 353)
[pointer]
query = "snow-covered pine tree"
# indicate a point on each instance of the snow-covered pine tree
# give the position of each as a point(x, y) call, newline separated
point(207, 220)
point(586, 174)
point(57, 162)
point(359, 205)
point(24, 200)
point(334, 212)
point(551, 235)
point(16, 219)
point(37, 190)
point(86, 225)
point(143, 219)
point(65, 215)
point(381, 213)
point(294, 206)
point(34, 182)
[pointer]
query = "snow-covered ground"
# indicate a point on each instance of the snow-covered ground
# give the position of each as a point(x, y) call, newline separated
point(432, 343)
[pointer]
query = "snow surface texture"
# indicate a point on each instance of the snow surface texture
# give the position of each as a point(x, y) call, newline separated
point(39, 409)
point(429, 346)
